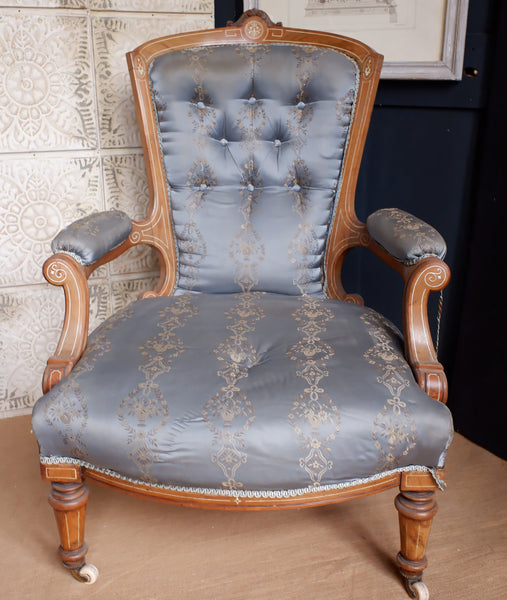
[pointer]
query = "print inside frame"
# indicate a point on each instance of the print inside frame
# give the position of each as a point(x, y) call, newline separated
point(420, 39)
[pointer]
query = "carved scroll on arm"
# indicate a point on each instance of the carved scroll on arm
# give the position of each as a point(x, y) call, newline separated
point(429, 275)
point(63, 270)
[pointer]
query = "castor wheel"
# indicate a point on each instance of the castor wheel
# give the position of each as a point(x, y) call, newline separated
point(86, 574)
point(417, 590)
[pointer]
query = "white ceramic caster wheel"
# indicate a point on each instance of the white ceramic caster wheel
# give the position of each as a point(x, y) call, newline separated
point(421, 591)
point(86, 574)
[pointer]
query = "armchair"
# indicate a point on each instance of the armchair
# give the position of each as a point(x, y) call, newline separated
point(249, 378)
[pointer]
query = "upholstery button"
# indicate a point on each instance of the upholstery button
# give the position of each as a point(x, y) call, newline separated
point(201, 105)
point(224, 142)
point(301, 105)
point(203, 186)
point(250, 187)
point(252, 100)
point(277, 143)
point(296, 187)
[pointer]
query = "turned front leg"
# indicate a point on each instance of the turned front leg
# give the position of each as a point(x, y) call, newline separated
point(416, 511)
point(69, 503)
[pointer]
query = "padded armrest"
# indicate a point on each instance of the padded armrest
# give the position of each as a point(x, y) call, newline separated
point(88, 239)
point(405, 237)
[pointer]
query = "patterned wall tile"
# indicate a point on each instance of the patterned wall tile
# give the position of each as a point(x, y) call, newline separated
point(47, 103)
point(46, 99)
point(179, 6)
point(46, 3)
point(126, 188)
point(161, 6)
point(30, 326)
point(37, 198)
point(113, 37)
point(125, 292)
point(126, 184)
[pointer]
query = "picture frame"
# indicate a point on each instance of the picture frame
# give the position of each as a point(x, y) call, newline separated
point(420, 39)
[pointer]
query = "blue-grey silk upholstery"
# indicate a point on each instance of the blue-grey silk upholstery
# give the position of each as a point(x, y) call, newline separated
point(250, 391)
point(253, 139)
point(90, 238)
point(276, 387)
point(405, 237)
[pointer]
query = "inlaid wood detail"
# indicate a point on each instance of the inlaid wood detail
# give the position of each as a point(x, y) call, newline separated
point(416, 511)
point(68, 501)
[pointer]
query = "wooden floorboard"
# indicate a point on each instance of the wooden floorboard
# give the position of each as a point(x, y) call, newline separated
point(151, 551)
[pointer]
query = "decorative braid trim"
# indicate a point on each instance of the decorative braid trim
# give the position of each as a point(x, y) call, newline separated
point(61, 460)
point(75, 256)
point(413, 261)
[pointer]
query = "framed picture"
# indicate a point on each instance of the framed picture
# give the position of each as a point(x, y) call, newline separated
point(420, 39)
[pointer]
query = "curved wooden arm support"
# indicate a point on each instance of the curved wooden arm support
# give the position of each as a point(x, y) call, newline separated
point(63, 270)
point(429, 275)
point(153, 231)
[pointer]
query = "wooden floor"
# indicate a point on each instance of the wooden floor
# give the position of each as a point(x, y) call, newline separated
point(151, 551)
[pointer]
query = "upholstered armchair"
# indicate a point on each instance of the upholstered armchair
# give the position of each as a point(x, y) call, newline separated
point(249, 378)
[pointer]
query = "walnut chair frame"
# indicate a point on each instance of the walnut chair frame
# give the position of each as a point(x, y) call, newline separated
point(415, 502)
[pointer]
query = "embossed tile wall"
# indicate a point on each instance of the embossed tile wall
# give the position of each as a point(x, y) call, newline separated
point(69, 146)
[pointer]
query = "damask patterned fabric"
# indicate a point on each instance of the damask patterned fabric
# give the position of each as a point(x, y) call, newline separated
point(404, 236)
point(253, 139)
point(90, 238)
point(248, 391)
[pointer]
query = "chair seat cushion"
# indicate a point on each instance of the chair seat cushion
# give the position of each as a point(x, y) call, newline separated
point(248, 391)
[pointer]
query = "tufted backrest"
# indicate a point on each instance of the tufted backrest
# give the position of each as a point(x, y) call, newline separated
point(251, 142)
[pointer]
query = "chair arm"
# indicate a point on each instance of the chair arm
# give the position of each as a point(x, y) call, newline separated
point(79, 249)
point(405, 237)
point(419, 263)
point(89, 239)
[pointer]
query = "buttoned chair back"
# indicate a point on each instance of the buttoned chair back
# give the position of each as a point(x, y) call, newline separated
point(254, 140)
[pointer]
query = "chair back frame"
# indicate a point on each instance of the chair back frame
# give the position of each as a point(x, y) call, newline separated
point(253, 27)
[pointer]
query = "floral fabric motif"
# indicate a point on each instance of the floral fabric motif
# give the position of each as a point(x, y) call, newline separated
point(404, 236)
point(408, 226)
point(229, 414)
point(67, 413)
point(247, 250)
point(313, 416)
point(394, 432)
point(145, 410)
point(200, 178)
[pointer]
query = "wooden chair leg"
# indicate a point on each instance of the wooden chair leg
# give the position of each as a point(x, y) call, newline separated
point(68, 501)
point(416, 511)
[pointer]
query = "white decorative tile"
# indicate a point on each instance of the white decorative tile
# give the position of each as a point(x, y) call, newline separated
point(46, 99)
point(113, 37)
point(126, 188)
point(46, 3)
point(161, 6)
point(126, 184)
point(30, 326)
point(126, 291)
point(38, 197)
point(53, 66)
